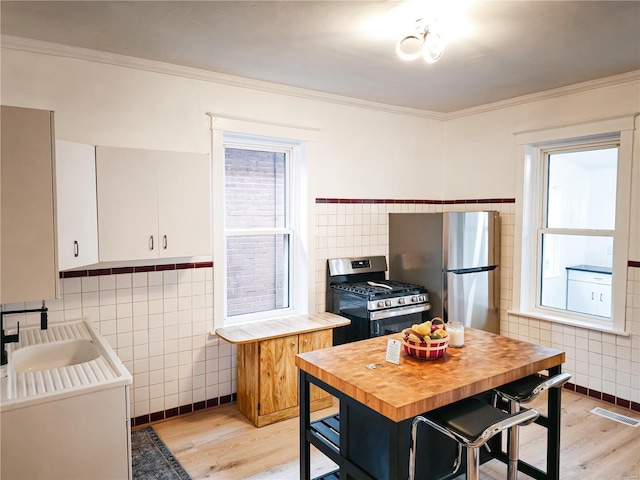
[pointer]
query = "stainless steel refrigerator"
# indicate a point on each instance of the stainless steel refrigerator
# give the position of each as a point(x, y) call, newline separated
point(456, 256)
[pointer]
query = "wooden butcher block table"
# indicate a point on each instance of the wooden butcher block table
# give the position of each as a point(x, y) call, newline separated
point(370, 436)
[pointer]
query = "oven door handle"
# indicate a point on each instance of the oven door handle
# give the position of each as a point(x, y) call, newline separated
point(397, 312)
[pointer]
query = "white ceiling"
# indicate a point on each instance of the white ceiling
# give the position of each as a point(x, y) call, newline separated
point(347, 48)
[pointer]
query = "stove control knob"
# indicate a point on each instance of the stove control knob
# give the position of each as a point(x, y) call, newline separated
point(381, 304)
point(414, 299)
point(421, 298)
point(387, 303)
point(401, 301)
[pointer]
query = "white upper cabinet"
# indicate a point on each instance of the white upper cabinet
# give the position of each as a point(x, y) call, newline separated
point(152, 204)
point(29, 269)
point(184, 205)
point(77, 209)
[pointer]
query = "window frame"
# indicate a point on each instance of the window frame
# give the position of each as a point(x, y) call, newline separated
point(232, 131)
point(543, 228)
point(532, 147)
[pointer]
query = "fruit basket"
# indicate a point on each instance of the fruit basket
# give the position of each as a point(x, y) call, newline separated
point(422, 346)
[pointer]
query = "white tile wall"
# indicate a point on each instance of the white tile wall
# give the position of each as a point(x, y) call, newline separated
point(158, 323)
point(598, 361)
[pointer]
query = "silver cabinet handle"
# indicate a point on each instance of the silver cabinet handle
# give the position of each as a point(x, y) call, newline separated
point(151, 242)
point(600, 297)
point(76, 249)
point(164, 242)
point(593, 296)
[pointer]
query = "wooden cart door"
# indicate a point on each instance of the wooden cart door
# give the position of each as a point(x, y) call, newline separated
point(278, 374)
point(315, 341)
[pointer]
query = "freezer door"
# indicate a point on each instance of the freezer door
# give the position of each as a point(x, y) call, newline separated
point(472, 298)
point(471, 239)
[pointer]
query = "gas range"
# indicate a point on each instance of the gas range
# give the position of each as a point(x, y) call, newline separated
point(357, 289)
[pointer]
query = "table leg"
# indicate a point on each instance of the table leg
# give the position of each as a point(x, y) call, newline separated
point(305, 422)
point(553, 428)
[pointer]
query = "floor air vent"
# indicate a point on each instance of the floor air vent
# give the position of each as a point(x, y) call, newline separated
point(632, 422)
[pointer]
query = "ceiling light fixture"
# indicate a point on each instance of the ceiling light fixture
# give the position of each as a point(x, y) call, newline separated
point(426, 41)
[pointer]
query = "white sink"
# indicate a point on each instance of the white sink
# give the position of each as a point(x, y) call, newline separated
point(66, 359)
point(54, 355)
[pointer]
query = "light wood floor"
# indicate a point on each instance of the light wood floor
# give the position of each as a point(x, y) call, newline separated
point(220, 443)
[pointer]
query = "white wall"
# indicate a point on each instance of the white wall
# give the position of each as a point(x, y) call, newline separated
point(469, 157)
point(484, 144)
point(109, 105)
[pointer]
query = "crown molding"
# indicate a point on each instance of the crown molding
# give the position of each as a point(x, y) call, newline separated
point(55, 49)
point(623, 78)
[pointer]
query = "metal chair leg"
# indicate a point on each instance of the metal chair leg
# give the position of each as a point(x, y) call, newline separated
point(414, 446)
point(473, 463)
point(512, 467)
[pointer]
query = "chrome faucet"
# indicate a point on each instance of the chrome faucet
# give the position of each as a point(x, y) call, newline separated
point(14, 338)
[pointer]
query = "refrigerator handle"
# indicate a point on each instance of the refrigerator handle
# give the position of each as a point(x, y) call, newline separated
point(462, 271)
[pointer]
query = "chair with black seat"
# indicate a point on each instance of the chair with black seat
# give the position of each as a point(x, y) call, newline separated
point(519, 392)
point(471, 422)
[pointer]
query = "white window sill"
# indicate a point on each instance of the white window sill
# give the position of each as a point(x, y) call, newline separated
point(575, 322)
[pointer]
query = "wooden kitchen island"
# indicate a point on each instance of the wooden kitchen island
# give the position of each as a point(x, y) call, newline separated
point(370, 437)
point(267, 376)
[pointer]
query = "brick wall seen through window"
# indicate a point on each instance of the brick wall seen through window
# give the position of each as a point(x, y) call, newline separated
point(257, 254)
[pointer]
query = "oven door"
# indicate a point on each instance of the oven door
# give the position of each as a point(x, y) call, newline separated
point(394, 320)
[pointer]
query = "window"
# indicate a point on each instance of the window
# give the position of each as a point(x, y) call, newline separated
point(572, 224)
point(259, 207)
point(578, 227)
point(258, 229)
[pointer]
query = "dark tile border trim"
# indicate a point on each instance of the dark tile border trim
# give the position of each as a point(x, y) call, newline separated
point(605, 397)
point(173, 412)
point(415, 201)
point(144, 268)
point(631, 263)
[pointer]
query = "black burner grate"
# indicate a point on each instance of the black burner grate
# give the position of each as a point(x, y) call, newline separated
point(367, 290)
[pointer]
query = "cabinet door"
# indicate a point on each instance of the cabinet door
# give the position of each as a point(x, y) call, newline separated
point(278, 374)
point(603, 301)
point(184, 204)
point(27, 206)
point(77, 206)
point(127, 187)
point(581, 297)
point(315, 341)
